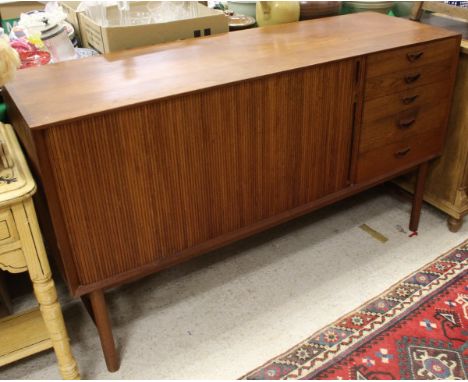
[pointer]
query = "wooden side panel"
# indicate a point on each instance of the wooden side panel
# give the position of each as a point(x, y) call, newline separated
point(140, 185)
point(447, 177)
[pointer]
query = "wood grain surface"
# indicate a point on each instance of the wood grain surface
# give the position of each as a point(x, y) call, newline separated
point(170, 164)
point(411, 57)
point(152, 156)
point(55, 93)
point(183, 171)
point(408, 79)
point(394, 103)
point(448, 177)
point(404, 124)
point(405, 153)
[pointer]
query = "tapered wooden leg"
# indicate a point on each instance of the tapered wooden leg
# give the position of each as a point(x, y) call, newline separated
point(454, 225)
point(44, 288)
point(103, 324)
point(418, 196)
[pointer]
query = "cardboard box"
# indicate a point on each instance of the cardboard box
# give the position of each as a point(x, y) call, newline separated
point(10, 11)
point(114, 38)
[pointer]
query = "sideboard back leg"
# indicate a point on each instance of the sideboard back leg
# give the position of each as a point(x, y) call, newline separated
point(104, 327)
point(87, 304)
point(418, 196)
point(454, 224)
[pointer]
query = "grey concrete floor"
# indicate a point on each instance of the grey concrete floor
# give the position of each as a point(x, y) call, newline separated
point(229, 311)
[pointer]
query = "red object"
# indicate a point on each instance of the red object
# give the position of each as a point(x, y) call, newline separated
point(29, 55)
point(21, 45)
point(34, 58)
point(418, 329)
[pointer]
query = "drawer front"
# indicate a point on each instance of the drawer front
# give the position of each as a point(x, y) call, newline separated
point(408, 79)
point(8, 232)
point(405, 124)
point(403, 59)
point(398, 156)
point(395, 103)
point(4, 231)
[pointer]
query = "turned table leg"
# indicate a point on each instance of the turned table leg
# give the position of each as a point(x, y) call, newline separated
point(104, 327)
point(44, 288)
point(418, 196)
point(46, 295)
point(454, 224)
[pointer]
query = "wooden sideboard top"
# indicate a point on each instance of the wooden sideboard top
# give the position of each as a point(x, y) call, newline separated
point(70, 90)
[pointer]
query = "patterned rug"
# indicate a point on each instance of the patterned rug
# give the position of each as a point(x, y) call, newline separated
point(417, 329)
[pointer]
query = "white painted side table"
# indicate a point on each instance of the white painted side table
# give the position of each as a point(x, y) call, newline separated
point(22, 250)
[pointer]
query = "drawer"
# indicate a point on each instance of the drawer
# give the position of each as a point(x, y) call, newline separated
point(398, 156)
point(408, 79)
point(417, 120)
point(409, 58)
point(382, 107)
point(8, 232)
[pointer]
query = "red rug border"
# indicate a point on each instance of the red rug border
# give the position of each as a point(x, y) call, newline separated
point(406, 313)
point(353, 310)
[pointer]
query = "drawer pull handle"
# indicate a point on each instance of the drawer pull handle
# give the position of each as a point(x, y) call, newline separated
point(408, 100)
point(414, 56)
point(413, 78)
point(406, 123)
point(402, 153)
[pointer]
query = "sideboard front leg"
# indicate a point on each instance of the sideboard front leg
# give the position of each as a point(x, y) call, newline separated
point(418, 196)
point(104, 327)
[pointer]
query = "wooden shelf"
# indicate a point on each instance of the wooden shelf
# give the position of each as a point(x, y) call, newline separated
point(22, 335)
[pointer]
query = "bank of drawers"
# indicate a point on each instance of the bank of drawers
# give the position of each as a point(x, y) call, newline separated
point(405, 107)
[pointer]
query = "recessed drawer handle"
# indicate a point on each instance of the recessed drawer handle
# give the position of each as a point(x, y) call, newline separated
point(406, 123)
point(413, 78)
point(402, 153)
point(414, 56)
point(408, 100)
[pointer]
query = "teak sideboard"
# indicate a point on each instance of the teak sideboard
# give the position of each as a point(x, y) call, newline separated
point(151, 156)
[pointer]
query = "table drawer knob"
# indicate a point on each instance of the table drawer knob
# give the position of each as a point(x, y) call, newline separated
point(408, 100)
point(412, 57)
point(412, 78)
point(402, 153)
point(406, 123)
